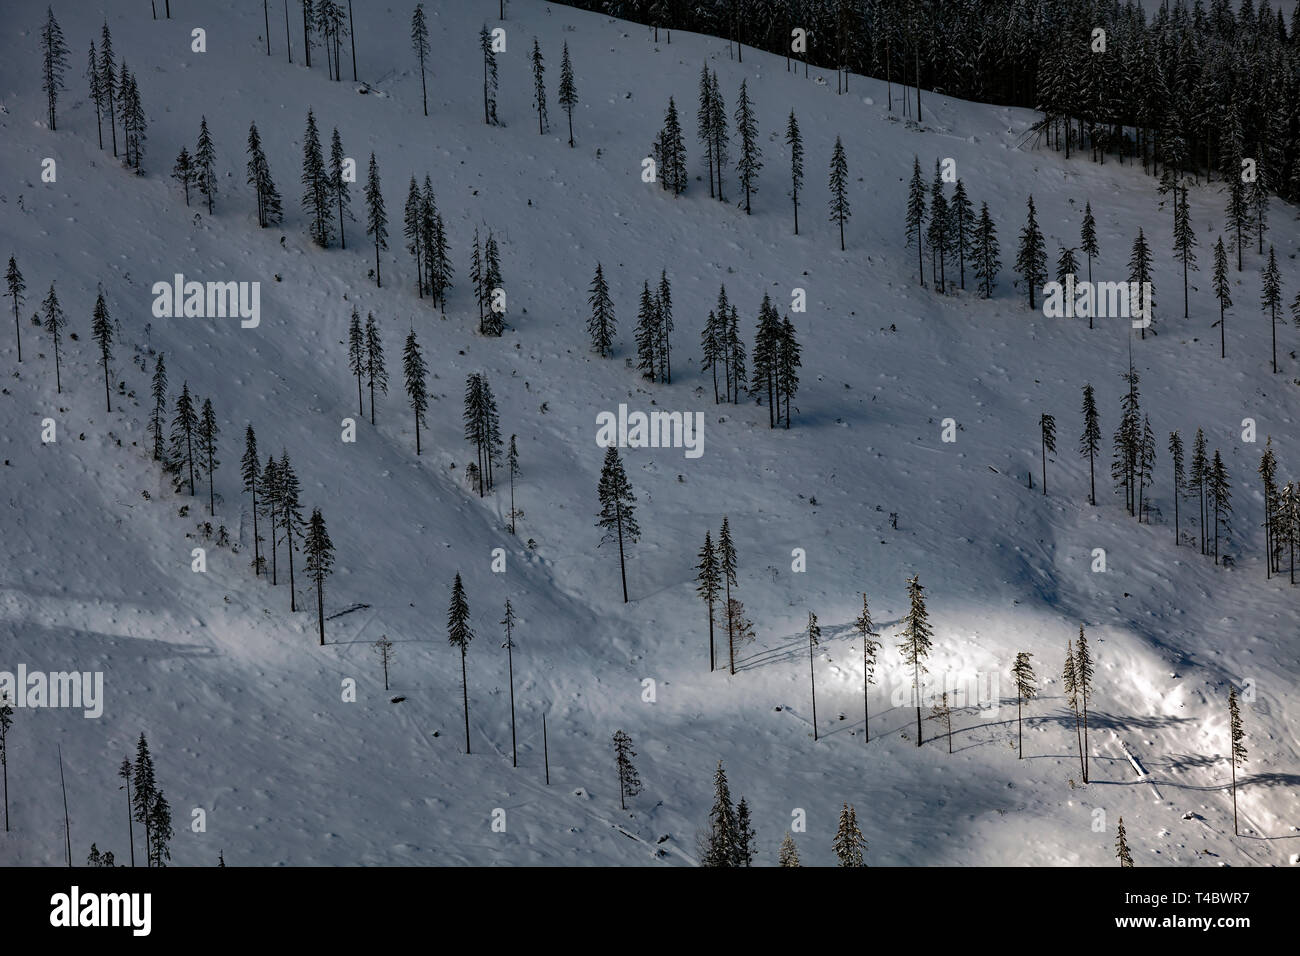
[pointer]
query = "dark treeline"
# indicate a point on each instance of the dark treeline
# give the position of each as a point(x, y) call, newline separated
point(1191, 85)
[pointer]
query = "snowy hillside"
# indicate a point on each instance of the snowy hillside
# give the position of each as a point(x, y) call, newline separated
point(245, 713)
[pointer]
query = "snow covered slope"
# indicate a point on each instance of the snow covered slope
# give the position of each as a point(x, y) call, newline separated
point(245, 712)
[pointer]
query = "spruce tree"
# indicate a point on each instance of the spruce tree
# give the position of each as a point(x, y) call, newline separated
point(6, 721)
point(1222, 292)
point(316, 187)
point(539, 87)
point(54, 63)
point(1180, 479)
point(1083, 681)
point(1070, 687)
point(459, 634)
point(1257, 197)
point(708, 581)
point(567, 95)
point(794, 140)
point(814, 638)
point(414, 371)
point(512, 472)
point(1090, 440)
point(916, 216)
point(1236, 737)
point(766, 345)
point(1088, 242)
point(870, 648)
point(1047, 435)
point(1238, 214)
point(1268, 475)
point(1220, 494)
point(629, 783)
point(420, 43)
point(937, 232)
point(146, 789)
point(839, 182)
point(250, 471)
point(647, 334)
point(54, 323)
point(617, 509)
point(718, 124)
point(986, 253)
point(735, 354)
point(205, 164)
point(183, 172)
point(207, 435)
point(1121, 845)
point(961, 230)
point(1198, 475)
point(915, 644)
point(96, 92)
point(727, 565)
point(15, 286)
point(160, 830)
point(1066, 264)
point(750, 162)
point(1031, 258)
point(338, 185)
point(788, 855)
point(671, 151)
point(1272, 297)
point(271, 495)
point(376, 373)
point(288, 490)
point(788, 363)
point(601, 324)
point(493, 289)
point(320, 561)
point(184, 437)
point(101, 329)
point(1184, 240)
point(849, 844)
point(745, 835)
point(489, 77)
point(357, 355)
point(376, 217)
point(721, 843)
point(1022, 672)
point(107, 79)
point(411, 229)
point(664, 309)
point(269, 206)
point(134, 123)
point(1140, 280)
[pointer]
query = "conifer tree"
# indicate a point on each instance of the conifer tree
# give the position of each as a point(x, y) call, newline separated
point(1121, 845)
point(1127, 442)
point(744, 835)
point(338, 185)
point(6, 721)
point(414, 371)
point(788, 363)
point(184, 436)
point(384, 648)
point(489, 77)
point(1022, 672)
point(357, 355)
point(814, 638)
point(629, 784)
point(915, 644)
point(1083, 680)
point(708, 581)
point(1070, 685)
point(493, 299)
point(937, 232)
point(288, 490)
point(1180, 479)
point(1139, 277)
point(1222, 292)
point(320, 561)
point(376, 373)
point(1146, 464)
point(54, 323)
point(788, 855)
point(839, 182)
point(1268, 475)
point(459, 634)
point(1066, 264)
point(108, 80)
point(316, 185)
point(250, 471)
point(1047, 433)
point(916, 216)
point(205, 164)
point(664, 310)
point(671, 152)
point(849, 844)
point(1088, 242)
point(986, 253)
point(420, 43)
point(727, 564)
point(376, 217)
point(601, 324)
point(1198, 475)
point(794, 140)
point(441, 271)
point(750, 161)
point(1238, 214)
point(1272, 296)
point(766, 347)
point(271, 495)
point(509, 622)
point(1184, 241)
point(183, 172)
point(512, 472)
point(160, 829)
point(567, 95)
point(101, 329)
point(146, 789)
point(713, 343)
point(96, 92)
point(617, 509)
point(1237, 757)
point(735, 354)
point(207, 435)
point(1220, 494)
point(718, 124)
point(539, 87)
point(1090, 440)
point(16, 286)
point(134, 121)
point(1031, 258)
point(54, 63)
point(412, 221)
point(269, 206)
point(961, 229)
point(721, 844)
point(870, 648)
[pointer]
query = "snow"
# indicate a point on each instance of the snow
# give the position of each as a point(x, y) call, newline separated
point(244, 711)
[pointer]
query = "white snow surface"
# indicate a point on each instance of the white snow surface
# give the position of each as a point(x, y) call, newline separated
point(244, 712)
